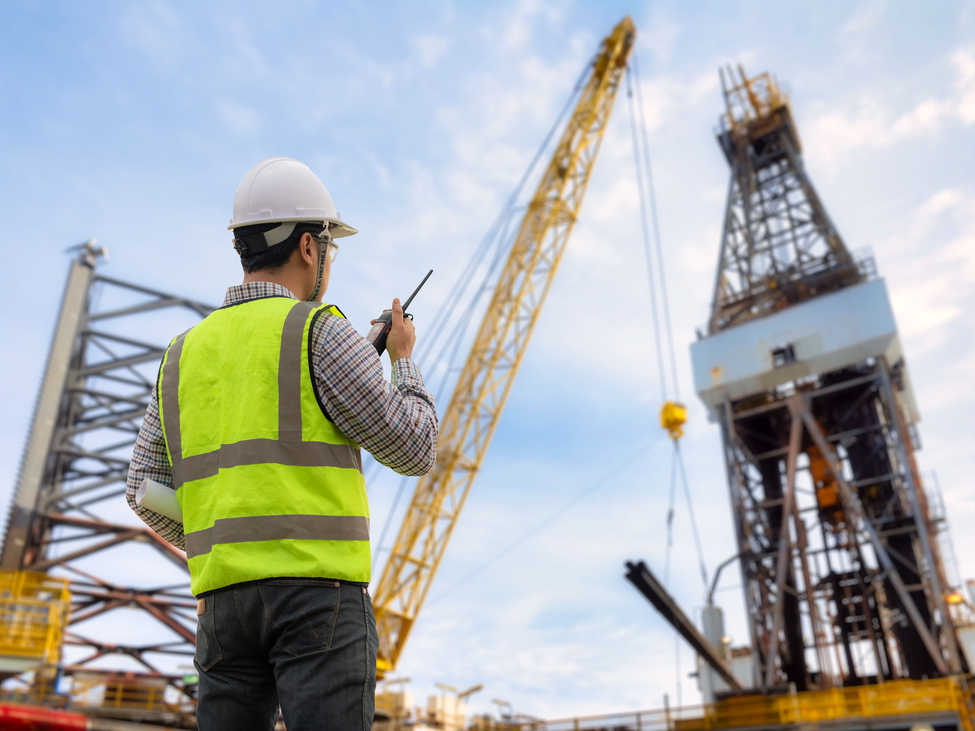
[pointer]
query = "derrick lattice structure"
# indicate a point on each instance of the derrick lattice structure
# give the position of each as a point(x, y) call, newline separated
point(779, 245)
point(68, 514)
point(803, 369)
point(497, 351)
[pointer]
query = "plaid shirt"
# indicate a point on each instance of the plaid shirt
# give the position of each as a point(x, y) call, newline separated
point(396, 423)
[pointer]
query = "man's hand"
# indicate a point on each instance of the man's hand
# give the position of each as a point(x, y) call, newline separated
point(401, 336)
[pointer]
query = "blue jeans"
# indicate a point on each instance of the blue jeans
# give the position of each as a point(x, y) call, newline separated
point(308, 645)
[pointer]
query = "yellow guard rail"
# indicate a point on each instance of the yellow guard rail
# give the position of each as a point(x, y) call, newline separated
point(34, 609)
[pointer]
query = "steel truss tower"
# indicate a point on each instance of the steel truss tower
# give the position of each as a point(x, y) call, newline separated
point(802, 368)
point(68, 511)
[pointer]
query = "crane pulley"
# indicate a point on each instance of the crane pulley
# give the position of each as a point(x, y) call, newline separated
point(485, 381)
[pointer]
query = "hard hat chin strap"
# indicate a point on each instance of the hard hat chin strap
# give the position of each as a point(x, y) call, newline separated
point(323, 240)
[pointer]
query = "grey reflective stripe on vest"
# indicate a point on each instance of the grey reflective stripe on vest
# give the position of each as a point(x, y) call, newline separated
point(289, 373)
point(170, 399)
point(288, 449)
point(265, 451)
point(277, 528)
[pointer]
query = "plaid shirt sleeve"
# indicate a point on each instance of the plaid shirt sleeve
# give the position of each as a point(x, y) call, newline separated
point(395, 422)
point(149, 460)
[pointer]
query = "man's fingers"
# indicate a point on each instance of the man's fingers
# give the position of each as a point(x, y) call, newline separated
point(397, 310)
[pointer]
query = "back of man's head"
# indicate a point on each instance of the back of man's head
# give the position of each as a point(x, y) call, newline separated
point(273, 258)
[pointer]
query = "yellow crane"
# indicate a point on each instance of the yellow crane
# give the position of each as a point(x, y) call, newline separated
point(490, 369)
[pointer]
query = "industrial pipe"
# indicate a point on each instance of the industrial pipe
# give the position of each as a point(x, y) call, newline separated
point(17, 717)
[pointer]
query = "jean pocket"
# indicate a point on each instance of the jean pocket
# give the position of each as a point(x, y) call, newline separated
point(302, 616)
point(208, 652)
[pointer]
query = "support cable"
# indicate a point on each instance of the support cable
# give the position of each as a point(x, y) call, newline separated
point(460, 288)
point(389, 520)
point(670, 518)
point(646, 237)
point(539, 527)
point(644, 167)
point(690, 509)
point(656, 227)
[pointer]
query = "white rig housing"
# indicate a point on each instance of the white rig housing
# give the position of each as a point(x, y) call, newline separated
point(817, 336)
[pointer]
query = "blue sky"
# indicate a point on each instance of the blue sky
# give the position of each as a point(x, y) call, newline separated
point(133, 122)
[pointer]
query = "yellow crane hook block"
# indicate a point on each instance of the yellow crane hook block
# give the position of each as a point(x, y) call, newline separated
point(672, 418)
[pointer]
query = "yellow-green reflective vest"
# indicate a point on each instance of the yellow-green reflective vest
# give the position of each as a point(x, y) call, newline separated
point(268, 485)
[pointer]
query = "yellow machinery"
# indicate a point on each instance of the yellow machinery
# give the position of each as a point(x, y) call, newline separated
point(496, 354)
point(33, 613)
point(672, 418)
point(902, 704)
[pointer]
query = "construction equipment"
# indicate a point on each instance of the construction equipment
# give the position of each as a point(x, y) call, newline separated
point(485, 381)
point(96, 387)
point(856, 570)
point(802, 367)
point(33, 613)
point(901, 705)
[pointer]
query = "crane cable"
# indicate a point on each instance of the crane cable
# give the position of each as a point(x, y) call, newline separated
point(673, 413)
point(496, 235)
point(608, 478)
point(648, 199)
point(646, 240)
point(656, 228)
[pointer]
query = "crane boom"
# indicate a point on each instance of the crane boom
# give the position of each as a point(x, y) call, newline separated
point(496, 353)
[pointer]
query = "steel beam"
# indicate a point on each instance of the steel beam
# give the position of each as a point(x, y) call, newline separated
point(851, 503)
point(76, 459)
point(36, 460)
point(785, 542)
point(646, 583)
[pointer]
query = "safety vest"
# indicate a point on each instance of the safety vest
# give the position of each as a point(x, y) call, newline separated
point(268, 485)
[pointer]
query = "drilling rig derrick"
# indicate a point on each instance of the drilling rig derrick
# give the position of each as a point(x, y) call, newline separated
point(802, 368)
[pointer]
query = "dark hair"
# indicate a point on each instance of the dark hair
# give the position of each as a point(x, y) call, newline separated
point(274, 257)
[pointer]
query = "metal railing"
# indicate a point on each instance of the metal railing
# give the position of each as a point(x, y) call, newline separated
point(33, 612)
point(918, 699)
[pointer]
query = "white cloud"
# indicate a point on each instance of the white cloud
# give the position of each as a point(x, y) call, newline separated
point(157, 29)
point(933, 290)
point(521, 20)
point(429, 48)
point(964, 62)
point(239, 119)
point(874, 121)
point(866, 18)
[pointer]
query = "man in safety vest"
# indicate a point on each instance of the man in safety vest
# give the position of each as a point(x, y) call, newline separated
point(256, 421)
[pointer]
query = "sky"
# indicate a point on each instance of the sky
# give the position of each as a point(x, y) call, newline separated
point(133, 122)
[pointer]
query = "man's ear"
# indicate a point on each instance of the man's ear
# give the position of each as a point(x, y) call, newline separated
point(306, 248)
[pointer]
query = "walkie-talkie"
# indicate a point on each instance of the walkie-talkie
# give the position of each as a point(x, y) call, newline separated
point(384, 323)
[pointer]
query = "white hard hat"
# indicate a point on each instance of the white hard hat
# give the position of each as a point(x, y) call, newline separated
point(281, 189)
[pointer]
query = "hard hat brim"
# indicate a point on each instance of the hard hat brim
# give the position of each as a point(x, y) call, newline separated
point(338, 228)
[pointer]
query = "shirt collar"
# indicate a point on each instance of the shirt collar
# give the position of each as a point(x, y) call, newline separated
point(254, 291)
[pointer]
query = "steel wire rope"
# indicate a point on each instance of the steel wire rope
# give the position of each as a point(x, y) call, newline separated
point(456, 337)
point(460, 287)
point(646, 238)
point(537, 528)
point(670, 519)
point(678, 458)
point(670, 545)
point(690, 510)
point(656, 227)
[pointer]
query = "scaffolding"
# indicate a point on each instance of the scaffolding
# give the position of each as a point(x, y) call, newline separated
point(68, 506)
